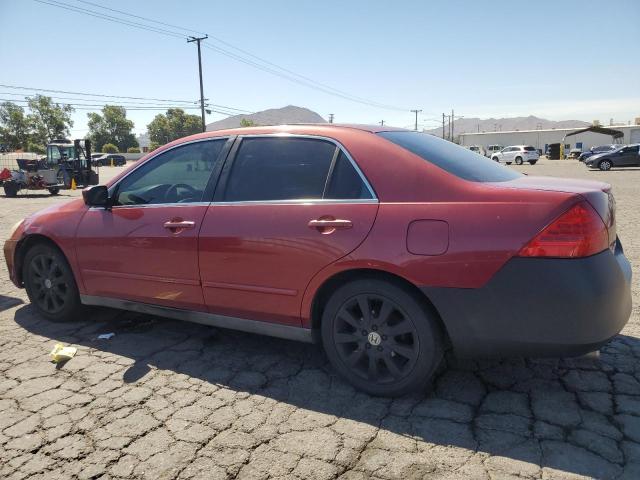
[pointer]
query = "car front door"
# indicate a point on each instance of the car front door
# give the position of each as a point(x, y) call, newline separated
point(145, 248)
point(627, 157)
point(286, 208)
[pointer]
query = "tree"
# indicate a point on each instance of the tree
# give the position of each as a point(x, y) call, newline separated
point(14, 127)
point(247, 123)
point(109, 148)
point(48, 120)
point(175, 124)
point(111, 127)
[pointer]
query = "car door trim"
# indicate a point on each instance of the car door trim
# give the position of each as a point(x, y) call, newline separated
point(137, 276)
point(288, 332)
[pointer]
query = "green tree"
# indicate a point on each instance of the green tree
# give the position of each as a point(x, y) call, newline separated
point(247, 123)
point(111, 127)
point(175, 124)
point(14, 127)
point(109, 148)
point(48, 120)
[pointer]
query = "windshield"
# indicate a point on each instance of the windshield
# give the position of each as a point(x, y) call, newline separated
point(452, 158)
point(604, 148)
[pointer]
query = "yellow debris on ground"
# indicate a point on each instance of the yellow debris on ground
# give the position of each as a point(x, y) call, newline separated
point(60, 353)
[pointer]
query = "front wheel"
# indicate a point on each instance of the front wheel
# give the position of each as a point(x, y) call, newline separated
point(532, 162)
point(518, 160)
point(11, 189)
point(50, 284)
point(54, 190)
point(381, 338)
point(605, 165)
point(495, 159)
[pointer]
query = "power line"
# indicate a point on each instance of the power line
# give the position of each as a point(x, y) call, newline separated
point(264, 65)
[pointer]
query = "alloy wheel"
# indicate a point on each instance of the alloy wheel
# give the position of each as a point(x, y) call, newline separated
point(50, 286)
point(376, 339)
point(605, 165)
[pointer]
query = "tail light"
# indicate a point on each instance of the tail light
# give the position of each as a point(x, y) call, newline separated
point(579, 232)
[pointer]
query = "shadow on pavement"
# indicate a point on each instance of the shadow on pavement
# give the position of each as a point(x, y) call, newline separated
point(575, 415)
point(8, 302)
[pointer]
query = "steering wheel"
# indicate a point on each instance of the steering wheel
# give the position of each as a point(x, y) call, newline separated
point(172, 191)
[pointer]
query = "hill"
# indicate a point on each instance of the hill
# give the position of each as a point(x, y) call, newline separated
point(470, 125)
point(274, 116)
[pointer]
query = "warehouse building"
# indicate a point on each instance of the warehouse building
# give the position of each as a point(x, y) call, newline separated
point(541, 139)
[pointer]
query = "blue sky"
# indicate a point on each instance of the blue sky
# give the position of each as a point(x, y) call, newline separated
point(554, 59)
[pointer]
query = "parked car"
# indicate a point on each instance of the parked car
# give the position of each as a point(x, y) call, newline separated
point(624, 156)
point(478, 149)
point(518, 154)
point(596, 150)
point(106, 159)
point(491, 149)
point(385, 245)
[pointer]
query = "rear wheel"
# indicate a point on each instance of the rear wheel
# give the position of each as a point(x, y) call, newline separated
point(50, 284)
point(532, 162)
point(54, 190)
point(11, 189)
point(605, 165)
point(381, 338)
point(495, 159)
point(518, 160)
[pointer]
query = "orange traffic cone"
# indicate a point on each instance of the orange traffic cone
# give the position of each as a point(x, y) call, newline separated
point(73, 184)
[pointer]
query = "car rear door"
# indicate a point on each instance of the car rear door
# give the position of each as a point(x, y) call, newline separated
point(287, 206)
point(145, 247)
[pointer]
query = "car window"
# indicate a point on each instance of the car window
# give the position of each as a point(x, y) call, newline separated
point(529, 149)
point(450, 157)
point(179, 175)
point(279, 168)
point(633, 149)
point(345, 182)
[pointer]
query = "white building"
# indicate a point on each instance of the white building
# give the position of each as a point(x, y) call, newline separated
point(540, 139)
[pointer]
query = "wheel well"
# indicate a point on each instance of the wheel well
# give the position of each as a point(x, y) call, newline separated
point(330, 285)
point(23, 247)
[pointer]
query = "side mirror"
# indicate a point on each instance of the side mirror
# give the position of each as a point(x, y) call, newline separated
point(96, 196)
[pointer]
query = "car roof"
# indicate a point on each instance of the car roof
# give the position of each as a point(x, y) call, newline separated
point(307, 127)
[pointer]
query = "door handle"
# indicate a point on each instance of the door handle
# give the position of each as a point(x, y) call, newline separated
point(329, 225)
point(177, 226)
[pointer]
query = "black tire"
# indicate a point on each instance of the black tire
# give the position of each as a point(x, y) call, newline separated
point(50, 284)
point(387, 356)
point(495, 159)
point(518, 160)
point(605, 165)
point(508, 163)
point(11, 189)
point(54, 190)
point(532, 162)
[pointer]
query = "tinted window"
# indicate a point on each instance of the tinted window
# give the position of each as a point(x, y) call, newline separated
point(279, 169)
point(345, 183)
point(529, 149)
point(179, 175)
point(454, 159)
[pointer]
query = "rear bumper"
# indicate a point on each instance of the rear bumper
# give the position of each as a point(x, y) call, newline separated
point(570, 307)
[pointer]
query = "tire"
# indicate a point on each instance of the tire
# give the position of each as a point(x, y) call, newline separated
point(532, 162)
point(495, 159)
point(54, 190)
point(518, 160)
point(605, 165)
point(63, 178)
point(364, 349)
point(11, 189)
point(50, 284)
point(509, 163)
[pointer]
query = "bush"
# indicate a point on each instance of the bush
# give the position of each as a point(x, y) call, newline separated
point(153, 146)
point(133, 150)
point(35, 148)
point(109, 148)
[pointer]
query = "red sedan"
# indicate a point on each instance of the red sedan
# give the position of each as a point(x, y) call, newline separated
point(388, 246)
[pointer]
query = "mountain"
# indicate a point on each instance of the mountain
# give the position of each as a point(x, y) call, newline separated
point(470, 125)
point(274, 116)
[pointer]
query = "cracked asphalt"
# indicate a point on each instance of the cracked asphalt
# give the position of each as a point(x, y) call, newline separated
point(165, 399)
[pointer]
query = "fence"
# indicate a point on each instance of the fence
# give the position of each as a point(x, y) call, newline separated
point(8, 160)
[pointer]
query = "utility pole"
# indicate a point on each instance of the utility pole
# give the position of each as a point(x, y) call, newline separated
point(416, 124)
point(451, 124)
point(443, 115)
point(198, 40)
point(382, 122)
point(331, 118)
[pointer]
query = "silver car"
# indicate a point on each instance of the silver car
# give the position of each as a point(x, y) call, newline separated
point(517, 154)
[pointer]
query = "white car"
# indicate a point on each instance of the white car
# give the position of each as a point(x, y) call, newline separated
point(517, 154)
point(477, 149)
point(491, 149)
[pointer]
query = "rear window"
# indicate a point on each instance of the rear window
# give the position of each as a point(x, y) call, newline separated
point(529, 149)
point(452, 158)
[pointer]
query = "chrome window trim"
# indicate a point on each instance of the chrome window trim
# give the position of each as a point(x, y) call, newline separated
point(300, 201)
point(373, 199)
point(208, 139)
